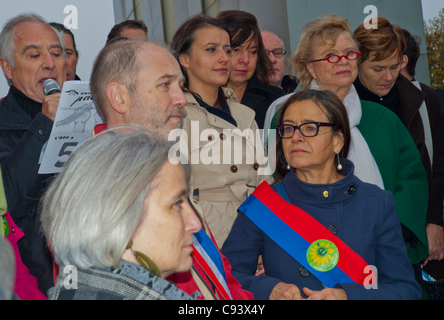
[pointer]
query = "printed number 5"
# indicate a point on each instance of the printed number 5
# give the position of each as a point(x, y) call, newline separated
point(64, 152)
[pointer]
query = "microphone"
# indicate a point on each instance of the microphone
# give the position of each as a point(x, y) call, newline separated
point(50, 86)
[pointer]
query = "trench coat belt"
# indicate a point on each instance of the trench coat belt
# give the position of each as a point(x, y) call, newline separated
point(233, 193)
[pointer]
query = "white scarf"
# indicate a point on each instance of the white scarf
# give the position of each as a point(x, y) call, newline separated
point(366, 168)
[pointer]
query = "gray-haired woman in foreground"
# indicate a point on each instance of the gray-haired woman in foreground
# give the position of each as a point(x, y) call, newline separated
point(118, 202)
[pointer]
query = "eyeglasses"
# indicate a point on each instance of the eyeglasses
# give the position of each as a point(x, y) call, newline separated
point(335, 58)
point(278, 53)
point(308, 130)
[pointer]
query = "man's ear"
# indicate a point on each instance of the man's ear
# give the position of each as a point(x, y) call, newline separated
point(6, 67)
point(184, 60)
point(118, 97)
point(405, 61)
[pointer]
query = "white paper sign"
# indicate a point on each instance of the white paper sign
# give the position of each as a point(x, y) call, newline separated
point(75, 121)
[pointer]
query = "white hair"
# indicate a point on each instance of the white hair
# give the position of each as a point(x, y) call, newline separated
point(7, 36)
point(92, 209)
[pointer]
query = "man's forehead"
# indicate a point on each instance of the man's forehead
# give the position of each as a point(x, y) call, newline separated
point(33, 31)
point(156, 58)
point(271, 40)
point(69, 44)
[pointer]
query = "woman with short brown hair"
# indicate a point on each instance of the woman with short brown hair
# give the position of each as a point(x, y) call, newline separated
point(417, 106)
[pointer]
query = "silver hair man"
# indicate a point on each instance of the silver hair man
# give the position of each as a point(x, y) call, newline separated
point(31, 53)
point(7, 39)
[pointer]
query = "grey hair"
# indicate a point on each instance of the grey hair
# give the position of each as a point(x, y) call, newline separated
point(93, 208)
point(117, 62)
point(7, 36)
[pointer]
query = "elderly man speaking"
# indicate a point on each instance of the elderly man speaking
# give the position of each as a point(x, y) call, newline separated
point(30, 52)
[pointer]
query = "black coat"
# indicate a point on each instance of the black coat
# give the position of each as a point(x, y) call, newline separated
point(21, 141)
point(259, 98)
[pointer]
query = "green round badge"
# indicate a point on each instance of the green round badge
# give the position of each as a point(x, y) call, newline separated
point(5, 226)
point(322, 255)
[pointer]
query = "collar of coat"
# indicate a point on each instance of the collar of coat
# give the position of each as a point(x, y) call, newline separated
point(118, 284)
point(411, 99)
point(243, 115)
point(12, 115)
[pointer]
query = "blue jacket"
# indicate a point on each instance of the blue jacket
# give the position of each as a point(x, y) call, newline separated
point(360, 214)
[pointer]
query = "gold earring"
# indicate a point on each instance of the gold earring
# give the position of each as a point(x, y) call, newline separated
point(144, 261)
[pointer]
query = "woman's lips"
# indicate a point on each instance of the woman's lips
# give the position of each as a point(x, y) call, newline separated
point(241, 72)
point(189, 247)
point(343, 72)
point(298, 151)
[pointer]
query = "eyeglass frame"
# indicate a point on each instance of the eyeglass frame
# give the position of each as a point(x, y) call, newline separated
point(284, 52)
point(340, 57)
point(318, 125)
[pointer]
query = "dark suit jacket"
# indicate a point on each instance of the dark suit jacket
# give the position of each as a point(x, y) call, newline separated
point(411, 100)
point(259, 97)
point(21, 141)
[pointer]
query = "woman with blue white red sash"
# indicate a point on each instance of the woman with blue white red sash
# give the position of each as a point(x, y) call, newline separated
point(322, 233)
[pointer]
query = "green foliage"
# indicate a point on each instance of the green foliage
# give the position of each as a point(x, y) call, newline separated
point(434, 33)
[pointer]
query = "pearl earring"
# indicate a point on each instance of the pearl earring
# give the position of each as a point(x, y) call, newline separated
point(288, 167)
point(340, 167)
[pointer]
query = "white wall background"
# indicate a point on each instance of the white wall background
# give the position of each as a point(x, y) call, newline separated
point(95, 20)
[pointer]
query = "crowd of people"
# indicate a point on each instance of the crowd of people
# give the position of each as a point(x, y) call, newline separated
point(353, 211)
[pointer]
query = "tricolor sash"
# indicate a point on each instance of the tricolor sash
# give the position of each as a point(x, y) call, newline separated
point(209, 258)
point(311, 244)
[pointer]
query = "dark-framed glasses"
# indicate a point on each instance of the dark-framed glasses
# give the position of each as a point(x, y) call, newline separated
point(278, 53)
point(335, 58)
point(308, 130)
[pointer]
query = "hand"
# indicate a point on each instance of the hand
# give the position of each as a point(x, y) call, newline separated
point(260, 270)
point(50, 105)
point(285, 291)
point(435, 235)
point(326, 294)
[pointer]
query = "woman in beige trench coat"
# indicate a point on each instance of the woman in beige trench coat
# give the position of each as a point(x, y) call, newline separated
point(223, 142)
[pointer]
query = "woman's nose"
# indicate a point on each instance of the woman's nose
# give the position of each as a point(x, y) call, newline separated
point(245, 58)
point(192, 221)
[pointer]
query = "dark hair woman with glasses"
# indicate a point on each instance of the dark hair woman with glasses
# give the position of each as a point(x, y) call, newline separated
point(323, 233)
point(381, 148)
